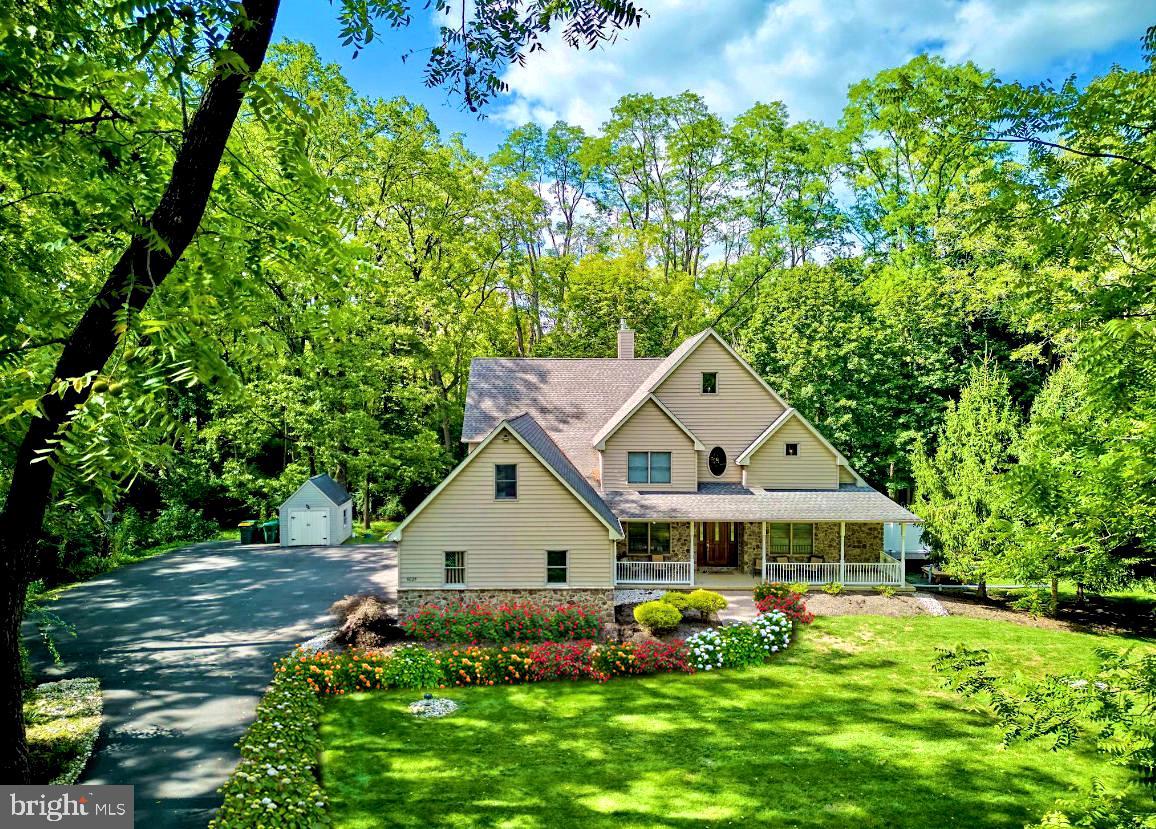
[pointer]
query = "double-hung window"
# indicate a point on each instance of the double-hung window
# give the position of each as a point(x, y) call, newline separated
point(557, 566)
point(648, 467)
point(645, 538)
point(505, 482)
point(455, 572)
point(791, 539)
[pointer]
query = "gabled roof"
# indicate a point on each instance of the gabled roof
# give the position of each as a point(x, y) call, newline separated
point(664, 370)
point(570, 399)
point(328, 487)
point(533, 437)
point(694, 439)
point(787, 415)
point(733, 502)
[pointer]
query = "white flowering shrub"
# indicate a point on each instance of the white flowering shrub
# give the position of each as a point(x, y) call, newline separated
point(275, 784)
point(740, 643)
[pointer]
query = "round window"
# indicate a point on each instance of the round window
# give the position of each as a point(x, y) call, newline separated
point(717, 461)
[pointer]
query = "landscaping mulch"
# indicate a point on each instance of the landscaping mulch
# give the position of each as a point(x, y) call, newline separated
point(862, 604)
point(1096, 613)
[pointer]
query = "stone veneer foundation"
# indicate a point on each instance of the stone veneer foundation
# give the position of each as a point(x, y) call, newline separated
point(597, 601)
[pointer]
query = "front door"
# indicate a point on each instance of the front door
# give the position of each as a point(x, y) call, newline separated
point(718, 544)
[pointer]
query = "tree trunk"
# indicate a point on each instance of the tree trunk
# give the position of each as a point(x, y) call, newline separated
point(981, 588)
point(1055, 592)
point(365, 504)
point(130, 283)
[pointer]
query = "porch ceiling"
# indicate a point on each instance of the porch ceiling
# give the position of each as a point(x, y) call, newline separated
point(732, 502)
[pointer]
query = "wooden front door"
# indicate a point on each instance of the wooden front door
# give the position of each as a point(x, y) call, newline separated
point(718, 544)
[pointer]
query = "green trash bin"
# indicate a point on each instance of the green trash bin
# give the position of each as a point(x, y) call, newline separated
point(249, 530)
point(271, 531)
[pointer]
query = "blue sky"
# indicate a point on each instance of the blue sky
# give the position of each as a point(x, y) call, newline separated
point(735, 52)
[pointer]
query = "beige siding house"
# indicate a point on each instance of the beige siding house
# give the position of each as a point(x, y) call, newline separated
point(587, 475)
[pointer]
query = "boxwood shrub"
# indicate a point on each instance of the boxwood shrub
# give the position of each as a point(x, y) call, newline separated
point(657, 617)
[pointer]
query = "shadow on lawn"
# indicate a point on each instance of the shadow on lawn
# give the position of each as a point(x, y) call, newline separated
point(182, 645)
point(825, 746)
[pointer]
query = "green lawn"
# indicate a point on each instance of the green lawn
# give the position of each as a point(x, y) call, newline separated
point(849, 728)
point(376, 533)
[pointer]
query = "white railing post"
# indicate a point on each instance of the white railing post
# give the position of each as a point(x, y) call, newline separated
point(842, 552)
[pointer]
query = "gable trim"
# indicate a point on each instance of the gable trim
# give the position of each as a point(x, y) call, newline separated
point(745, 458)
point(601, 444)
point(653, 383)
point(503, 424)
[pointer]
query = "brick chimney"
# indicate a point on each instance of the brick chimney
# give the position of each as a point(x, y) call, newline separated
point(625, 341)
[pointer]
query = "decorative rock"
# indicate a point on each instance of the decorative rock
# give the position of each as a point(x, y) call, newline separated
point(321, 642)
point(433, 707)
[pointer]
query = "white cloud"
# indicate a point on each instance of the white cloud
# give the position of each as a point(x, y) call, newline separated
point(807, 52)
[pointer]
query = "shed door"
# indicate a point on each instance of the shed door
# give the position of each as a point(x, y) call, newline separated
point(308, 526)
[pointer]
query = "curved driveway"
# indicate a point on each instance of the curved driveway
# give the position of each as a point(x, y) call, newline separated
point(183, 644)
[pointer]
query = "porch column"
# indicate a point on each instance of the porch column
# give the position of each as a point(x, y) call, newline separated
point(902, 553)
point(842, 552)
point(764, 564)
point(692, 562)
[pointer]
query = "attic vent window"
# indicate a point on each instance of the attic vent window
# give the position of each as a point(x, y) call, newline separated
point(792, 450)
point(710, 382)
point(717, 461)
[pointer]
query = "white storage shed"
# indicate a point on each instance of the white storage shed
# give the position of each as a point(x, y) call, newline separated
point(319, 513)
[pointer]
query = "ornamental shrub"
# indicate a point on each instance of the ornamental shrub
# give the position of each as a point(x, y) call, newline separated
point(412, 666)
point(770, 588)
point(678, 600)
point(706, 602)
point(275, 784)
point(800, 587)
point(657, 617)
point(833, 588)
point(739, 644)
point(472, 666)
point(562, 660)
point(631, 659)
point(885, 590)
point(791, 606)
point(343, 672)
point(505, 623)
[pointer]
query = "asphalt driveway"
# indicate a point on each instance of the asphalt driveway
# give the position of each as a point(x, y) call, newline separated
point(183, 645)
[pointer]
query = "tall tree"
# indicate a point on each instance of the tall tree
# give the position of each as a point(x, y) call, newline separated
point(46, 89)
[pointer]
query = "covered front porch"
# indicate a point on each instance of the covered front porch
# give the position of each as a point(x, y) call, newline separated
point(734, 555)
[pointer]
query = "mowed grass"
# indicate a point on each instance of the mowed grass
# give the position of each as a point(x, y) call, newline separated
point(849, 728)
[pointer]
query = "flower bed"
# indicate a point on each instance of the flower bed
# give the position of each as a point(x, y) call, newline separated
point(740, 644)
point(502, 624)
point(275, 784)
point(63, 721)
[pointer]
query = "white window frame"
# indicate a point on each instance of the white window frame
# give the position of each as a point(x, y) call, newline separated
point(565, 567)
point(650, 467)
point(517, 478)
point(447, 567)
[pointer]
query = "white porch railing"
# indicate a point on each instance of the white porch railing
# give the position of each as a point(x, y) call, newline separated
point(850, 573)
point(653, 572)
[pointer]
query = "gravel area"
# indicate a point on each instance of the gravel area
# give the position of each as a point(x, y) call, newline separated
point(862, 604)
point(636, 596)
point(931, 604)
point(433, 707)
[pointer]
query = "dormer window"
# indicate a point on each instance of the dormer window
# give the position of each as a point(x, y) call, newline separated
point(792, 450)
point(710, 382)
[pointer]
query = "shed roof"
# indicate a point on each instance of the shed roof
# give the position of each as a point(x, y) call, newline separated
point(734, 502)
point(332, 490)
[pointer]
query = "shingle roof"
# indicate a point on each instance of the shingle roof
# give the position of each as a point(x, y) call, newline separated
point(733, 502)
point(649, 384)
point(534, 435)
point(332, 490)
point(569, 399)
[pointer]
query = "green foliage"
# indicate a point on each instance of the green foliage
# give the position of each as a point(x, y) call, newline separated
point(960, 485)
point(833, 588)
point(1115, 705)
point(706, 602)
point(658, 616)
point(1036, 602)
point(411, 666)
point(676, 599)
point(799, 588)
point(887, 591)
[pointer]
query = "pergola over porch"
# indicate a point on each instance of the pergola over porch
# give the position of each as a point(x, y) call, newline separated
point(764, 524)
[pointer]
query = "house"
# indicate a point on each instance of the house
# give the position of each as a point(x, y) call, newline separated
point(586, 475)
point(320, 512)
